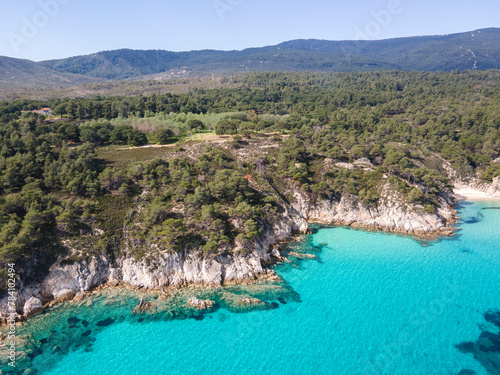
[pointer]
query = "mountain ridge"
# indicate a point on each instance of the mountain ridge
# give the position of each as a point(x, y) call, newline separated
point(472, 50)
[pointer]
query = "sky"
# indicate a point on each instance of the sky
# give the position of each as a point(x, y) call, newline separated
point(50, 29)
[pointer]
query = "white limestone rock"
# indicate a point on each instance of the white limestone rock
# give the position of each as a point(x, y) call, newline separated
point(32, 307)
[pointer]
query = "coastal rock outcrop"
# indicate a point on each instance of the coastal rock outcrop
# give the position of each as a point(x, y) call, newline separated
point(201, 304)
point(391, 214)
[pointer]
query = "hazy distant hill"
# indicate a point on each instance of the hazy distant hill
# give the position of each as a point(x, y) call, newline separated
point(471, 50)
point(15, 73)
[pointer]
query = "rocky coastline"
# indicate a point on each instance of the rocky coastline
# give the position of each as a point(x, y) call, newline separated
point(66, 281)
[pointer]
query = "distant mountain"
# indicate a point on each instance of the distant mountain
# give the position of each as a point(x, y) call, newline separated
point(15, 73)
point(471, 50)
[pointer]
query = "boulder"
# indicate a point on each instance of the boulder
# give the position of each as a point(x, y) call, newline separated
point(64, 295)
point(363, 162)
point(345, 165)
point(32, 307)
point(275, 253)
point(79, 297)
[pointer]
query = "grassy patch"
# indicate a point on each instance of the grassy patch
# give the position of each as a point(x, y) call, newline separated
point(112, 211)
point(121, 158)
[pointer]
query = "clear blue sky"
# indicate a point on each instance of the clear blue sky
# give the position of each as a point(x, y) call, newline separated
point(33, 31)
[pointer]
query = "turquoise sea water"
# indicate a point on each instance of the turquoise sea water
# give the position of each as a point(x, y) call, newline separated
point(373, 304)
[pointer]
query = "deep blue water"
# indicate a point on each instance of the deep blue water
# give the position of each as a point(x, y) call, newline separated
point(373, 304)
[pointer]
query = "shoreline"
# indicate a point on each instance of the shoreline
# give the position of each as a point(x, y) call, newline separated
point(466, 193)
point(449, 231)
point(267, 276)
point(264, 280)
point(244, 270)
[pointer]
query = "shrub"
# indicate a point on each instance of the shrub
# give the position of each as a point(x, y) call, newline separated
point(163, 136)
point(196, 125)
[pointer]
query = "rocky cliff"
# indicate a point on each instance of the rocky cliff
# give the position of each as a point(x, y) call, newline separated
point(390, 215)
point(66, 281)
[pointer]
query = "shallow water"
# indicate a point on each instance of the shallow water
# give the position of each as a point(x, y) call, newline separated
point(372, 304)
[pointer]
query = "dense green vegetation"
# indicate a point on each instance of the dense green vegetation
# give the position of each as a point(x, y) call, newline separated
point(396, 127)
point(453, 114)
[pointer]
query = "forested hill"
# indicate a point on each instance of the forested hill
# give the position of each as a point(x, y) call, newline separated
point(478, 50)
point(351, 135)
point(471, 50)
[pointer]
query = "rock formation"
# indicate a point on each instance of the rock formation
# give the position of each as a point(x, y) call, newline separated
point(200, 304)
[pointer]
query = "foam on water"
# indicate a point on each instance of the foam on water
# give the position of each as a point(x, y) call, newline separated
point(373, 304)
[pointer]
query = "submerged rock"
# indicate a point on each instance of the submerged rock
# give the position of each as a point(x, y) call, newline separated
point(493, 316)
point(200, 304)
point(241, 303)
point(250, 302)
point(303, 256)
point(486, 349)
point(105, 322)
point(73, 320)
point(142, 307)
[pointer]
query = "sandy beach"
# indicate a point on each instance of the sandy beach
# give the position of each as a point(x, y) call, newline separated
point(468, 194)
